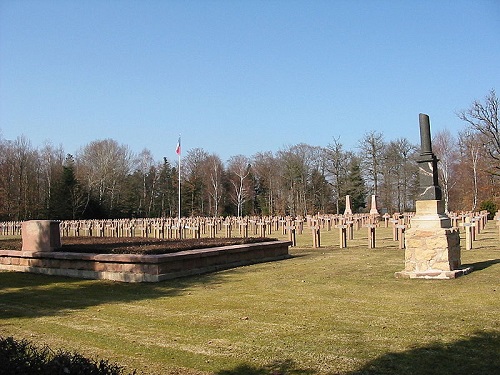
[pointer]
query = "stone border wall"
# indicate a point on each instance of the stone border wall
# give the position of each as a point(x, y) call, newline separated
point(142, 268)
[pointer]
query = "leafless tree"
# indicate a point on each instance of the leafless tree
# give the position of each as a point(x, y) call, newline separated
point(51, 167)
point(371, 148)
point(104, 165)
point(483, 119)
point(215, 173)
point(194, 181)
point(239, 170)
point(399, 175)
point(471, 150)
point(149, 176)
point(338, 161)
point(265, 168)
point(445, 148)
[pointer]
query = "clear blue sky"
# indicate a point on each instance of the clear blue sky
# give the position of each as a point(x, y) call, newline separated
point(240, 76)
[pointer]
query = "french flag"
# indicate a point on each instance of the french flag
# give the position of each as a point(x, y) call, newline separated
point(178, 147)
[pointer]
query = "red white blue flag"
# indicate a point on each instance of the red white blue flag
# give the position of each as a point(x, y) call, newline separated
point(178, 148)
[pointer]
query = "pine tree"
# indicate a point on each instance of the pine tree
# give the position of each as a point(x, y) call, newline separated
point(64, 201)
point(355, 186)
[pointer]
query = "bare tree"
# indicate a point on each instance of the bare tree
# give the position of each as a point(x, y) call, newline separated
point(471, 149)
point(445, 148)
point(265, 168)
point(371, 148)
point(295, 170)
point(5, 178)
point(239, 170)
point(337, 166)
point(215, 172)
point(399, 174)
point(104, 166)
point(483, 119)
point(26, 178)
point(149, 176)
point(194, 181)
point(51, 167)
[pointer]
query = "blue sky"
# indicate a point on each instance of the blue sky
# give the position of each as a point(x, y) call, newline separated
point(240, 77)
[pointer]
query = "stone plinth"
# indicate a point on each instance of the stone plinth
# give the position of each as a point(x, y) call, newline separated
point(40, 235)
point(432, 246)
point(430, 215)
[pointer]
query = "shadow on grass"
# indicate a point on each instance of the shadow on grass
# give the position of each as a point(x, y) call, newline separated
point(477, 355)
point(31, 295)
point(287, 367)
point(478, 266)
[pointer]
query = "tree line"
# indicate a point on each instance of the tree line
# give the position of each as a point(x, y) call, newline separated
point(106, 180)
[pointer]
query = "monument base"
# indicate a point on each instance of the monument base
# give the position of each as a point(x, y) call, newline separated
point(433, 274)
point(432, 246)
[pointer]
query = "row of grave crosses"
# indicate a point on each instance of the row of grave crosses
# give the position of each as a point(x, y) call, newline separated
point(173, 228)
point(10, 228)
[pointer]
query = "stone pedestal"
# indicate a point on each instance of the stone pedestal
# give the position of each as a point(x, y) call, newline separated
point(432, 245)
point(41, 235)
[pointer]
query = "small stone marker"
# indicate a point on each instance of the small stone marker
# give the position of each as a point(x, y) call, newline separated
point(395, 232)
point(196, 231)
point(229, 229)
point(350, 229)
point(469, 233)
point(371, 235)
point(342, 235)
point(262, 229)
point(386, 219)
point(291, 235)
point(316, 233)
point(401, 235)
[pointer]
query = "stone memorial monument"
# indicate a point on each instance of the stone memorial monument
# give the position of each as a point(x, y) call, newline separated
point(373, 207)
point(40, 235)
point(348, 208)
point(432, 245)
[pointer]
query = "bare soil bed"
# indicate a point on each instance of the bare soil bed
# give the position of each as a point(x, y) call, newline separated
point(135, 245)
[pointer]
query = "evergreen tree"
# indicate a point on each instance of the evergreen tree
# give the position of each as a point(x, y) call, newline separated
point(355, 186)
point(65, 199)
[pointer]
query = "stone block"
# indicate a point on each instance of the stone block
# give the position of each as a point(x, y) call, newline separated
point(40, 235)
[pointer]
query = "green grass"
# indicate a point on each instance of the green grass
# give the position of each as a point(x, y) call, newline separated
point(324, 311)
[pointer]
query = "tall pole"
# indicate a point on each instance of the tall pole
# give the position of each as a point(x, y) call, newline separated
point(178, 152)
point(179, 206)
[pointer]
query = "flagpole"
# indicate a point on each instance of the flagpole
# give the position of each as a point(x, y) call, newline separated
point(178, 150)
point(179, 208)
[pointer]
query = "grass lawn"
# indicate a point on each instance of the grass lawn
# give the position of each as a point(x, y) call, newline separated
point(324, 311)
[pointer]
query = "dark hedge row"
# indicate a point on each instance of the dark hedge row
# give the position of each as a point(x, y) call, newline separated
point(19, 357)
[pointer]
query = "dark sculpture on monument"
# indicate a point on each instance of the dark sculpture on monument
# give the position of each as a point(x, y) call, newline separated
point(432, 249)
point(427, 163)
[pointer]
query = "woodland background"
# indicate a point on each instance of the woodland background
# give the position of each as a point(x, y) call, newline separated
point(105, 179)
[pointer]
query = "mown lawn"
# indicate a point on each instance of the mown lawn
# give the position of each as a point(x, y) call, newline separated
point(324, 311)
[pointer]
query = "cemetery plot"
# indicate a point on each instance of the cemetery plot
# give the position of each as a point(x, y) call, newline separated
point(137, 245)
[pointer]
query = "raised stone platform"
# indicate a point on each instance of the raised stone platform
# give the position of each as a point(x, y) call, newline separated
point(142, 268)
